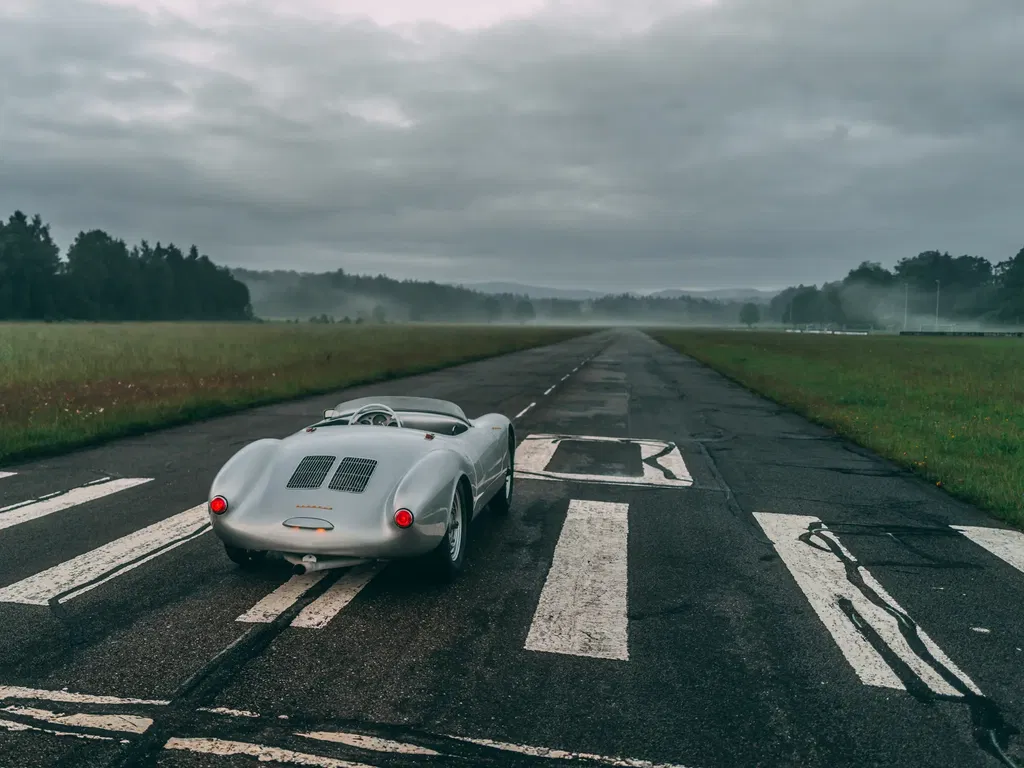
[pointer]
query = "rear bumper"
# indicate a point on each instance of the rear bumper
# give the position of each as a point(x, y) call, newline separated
point(386, 541)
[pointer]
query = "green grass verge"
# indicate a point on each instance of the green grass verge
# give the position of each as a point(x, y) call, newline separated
point(65, 386)
point(951, 409)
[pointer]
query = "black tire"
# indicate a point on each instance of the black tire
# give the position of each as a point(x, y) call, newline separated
point(502, 501)
point(446, 560)
point(247, 558)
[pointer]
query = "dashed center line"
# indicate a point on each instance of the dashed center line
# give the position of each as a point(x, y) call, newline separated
point(548, 390)
point(523, 412)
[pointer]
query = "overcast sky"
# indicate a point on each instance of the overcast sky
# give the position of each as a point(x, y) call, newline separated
point(608, 144)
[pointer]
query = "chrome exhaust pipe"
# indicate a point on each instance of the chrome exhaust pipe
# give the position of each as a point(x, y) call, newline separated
point(311, 565)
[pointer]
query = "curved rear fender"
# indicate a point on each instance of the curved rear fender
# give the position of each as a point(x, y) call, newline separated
point(427, 489)
point(245, 473)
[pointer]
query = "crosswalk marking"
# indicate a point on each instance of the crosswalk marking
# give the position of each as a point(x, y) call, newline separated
point(261, 752)
point(371, 743)
point(582, 607)
point(68, 697)
point(125, 723)
point(1008, 546)
point(317, 614)
point(278, 601)
point(22, 512)
point(845, 596)
point(564, 754)
point(86, 572)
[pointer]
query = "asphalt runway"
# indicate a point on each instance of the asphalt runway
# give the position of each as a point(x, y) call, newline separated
point(689, 576)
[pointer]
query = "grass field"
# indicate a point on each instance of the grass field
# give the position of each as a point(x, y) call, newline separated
point(63, 386)
point(950, 408)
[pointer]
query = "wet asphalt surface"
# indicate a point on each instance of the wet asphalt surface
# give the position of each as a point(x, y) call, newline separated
point(728, 662)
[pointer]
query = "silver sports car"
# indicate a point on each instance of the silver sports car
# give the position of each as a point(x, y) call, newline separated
point(377, 478)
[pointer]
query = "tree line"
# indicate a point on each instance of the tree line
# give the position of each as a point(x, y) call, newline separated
point(101, 278)
point(932, 287)
point(285, 294)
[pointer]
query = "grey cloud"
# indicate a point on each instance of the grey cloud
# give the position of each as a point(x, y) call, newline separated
point(750, 143)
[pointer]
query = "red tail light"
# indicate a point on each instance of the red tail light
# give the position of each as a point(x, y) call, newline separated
point(218, 505)
point(403, 518)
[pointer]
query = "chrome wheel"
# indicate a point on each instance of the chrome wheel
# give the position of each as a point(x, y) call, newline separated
point(455, 529)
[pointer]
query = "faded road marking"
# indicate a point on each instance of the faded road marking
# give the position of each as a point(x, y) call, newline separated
point(662, 462)
point(371, 743)
point(125, 723)
point(820, 568)
point(562, 754)
point(282, 598)
point(38, 694)
point(1008, 546)
point(35, 508)
point(582, 607)
point(86, 572)
point(262, 753)
point(318, 613)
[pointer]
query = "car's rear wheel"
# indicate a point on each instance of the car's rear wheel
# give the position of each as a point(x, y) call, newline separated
point(247, 558)
point(447, 558)
point(502, 501)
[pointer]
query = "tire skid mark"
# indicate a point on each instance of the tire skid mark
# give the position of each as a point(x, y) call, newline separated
point(991, 731)
point(202, 688)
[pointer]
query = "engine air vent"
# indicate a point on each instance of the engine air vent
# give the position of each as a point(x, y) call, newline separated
point(352, 474)
point(311, 472)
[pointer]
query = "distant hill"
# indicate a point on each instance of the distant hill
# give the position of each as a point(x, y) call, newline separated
point(722, 294)
point(582, 294)
point(534, 291)
point(284, 294)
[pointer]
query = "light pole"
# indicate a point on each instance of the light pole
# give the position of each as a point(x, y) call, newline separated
point(936, 305)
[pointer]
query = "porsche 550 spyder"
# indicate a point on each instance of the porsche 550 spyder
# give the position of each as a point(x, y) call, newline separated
point(377, 478)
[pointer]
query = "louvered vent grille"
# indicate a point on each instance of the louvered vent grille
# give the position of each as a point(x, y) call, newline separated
point(311, 472)
point(352, 475)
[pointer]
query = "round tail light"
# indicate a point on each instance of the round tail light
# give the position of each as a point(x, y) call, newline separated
point(218, 505)
point(403, 518)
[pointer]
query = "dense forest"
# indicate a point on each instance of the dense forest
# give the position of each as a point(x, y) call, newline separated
point(102, 278)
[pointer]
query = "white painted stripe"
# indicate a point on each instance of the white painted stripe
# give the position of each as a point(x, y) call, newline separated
point(562, 754)
point(282, 598)
point(7, 474)
point(371, 743)
point(86, 572)
point(582, 607)
point(575, 369)
point(565, 377)
point(548, 390)
point(522, 412)
point(125, 723)
point(39, 694)
point(229, 712)
point(263, 754)
point(535, 452)
point(10, 725)
point(36, 508)
point(1008, 546)
point(821, 575)
point(317, 614)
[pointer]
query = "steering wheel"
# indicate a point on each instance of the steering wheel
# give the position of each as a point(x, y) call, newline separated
point(392, 419)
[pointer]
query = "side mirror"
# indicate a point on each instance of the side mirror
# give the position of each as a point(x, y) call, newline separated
point(330, 413)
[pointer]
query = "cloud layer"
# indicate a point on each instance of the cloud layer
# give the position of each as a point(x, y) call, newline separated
point(626, 145)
